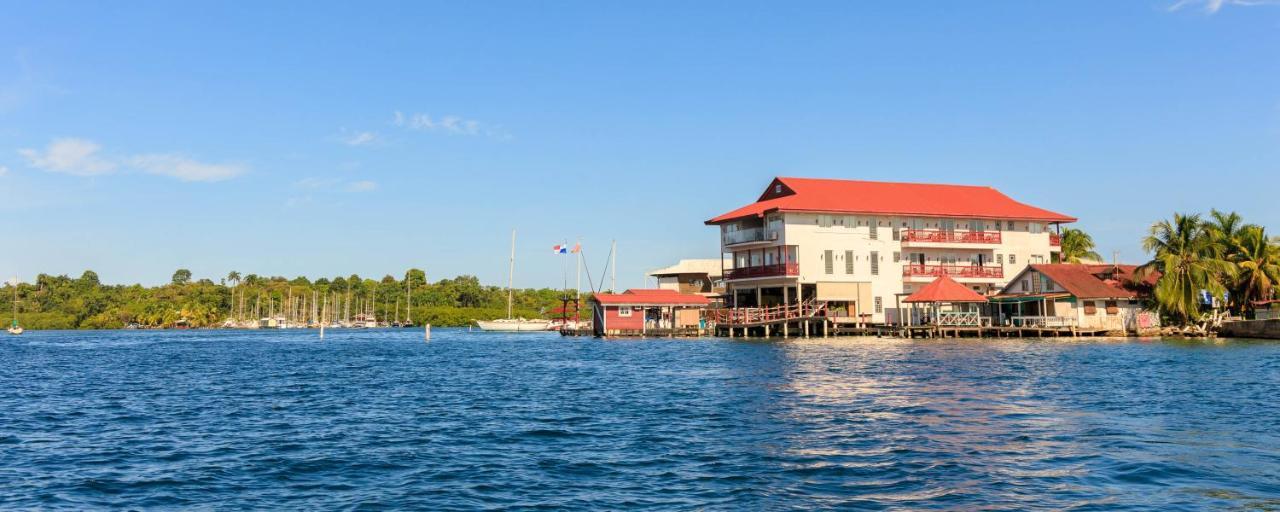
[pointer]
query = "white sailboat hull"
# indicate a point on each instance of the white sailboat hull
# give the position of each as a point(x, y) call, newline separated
point(15, 330)
point(514, 325)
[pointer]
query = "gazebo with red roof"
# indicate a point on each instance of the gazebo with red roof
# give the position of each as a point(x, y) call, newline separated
point(946, 291)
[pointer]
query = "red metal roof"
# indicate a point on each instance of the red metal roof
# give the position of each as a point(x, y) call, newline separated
point(651, 297)
point(945, 289)
point(1095, 281)
point(887, 198)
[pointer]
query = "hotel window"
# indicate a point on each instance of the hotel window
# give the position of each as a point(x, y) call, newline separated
point(827, 257)
point(879, 305)
point(1013, 260)
point(1090, 308)
point(1035, 227)
point(896, 234)
point(977, 225)
point(848, 262)
point(875, 233)
point(1113, 308)
point(850, 221)
point(1010, 227)
point(1000, 259)
point(897, 256)
point(624, 310)
point(875, 263)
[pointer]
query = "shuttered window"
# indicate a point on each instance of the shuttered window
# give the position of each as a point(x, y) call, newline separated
point(879, 305)
point(1113, 308)
point(897, 256)
point(829, 265)
point(875, 263)
point(875, 233)
point(848, 262)
point(1090, 308)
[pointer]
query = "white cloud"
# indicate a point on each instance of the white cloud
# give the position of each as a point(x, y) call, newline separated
point(452, 125)
point(362, 186)
point(360, 139)
point(1213, 6)
point(3, 170)
point(184, 168)
point(78, 157)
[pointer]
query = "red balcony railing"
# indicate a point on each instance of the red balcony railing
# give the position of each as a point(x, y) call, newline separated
point(776, 270)
point(953, 271)
point(1055, 240)
point(953, 237)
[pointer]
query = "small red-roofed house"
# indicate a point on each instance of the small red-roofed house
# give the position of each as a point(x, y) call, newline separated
point(1086, 296)
point(644, 311)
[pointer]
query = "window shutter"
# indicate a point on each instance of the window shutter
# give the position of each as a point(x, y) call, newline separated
point(848, 262)
point(875, 263)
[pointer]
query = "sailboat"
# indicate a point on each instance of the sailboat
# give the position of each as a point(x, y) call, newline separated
point(14, 328)
point(510, 324)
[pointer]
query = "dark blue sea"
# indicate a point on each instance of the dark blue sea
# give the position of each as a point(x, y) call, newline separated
point(471, 421)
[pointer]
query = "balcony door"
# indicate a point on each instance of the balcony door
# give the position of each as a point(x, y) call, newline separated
point(947, 225)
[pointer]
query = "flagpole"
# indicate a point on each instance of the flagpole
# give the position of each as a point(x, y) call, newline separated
point(578, 291)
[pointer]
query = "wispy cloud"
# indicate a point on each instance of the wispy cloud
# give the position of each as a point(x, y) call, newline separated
point(82, 157)
point(320, 183)
point(1213, 6)
point(360, 138)
point(77, 157)
point(449, 124)
point(184, 168)
point(3, 170)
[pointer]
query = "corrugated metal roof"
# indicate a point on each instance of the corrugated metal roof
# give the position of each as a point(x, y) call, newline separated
point(888, 198)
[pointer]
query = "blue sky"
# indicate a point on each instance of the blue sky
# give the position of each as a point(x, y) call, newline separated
point(324, 139)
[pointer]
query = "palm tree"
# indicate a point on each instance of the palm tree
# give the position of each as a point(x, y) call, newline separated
point(1185, 256)
point(234, 277)
point(1257, 259)
point(1077, 246)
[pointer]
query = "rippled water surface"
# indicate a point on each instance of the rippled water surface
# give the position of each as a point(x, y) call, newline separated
point(382, 419)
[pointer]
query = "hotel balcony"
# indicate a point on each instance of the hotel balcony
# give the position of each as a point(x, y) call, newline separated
point(1055, 240)
point(955, 271)
point(749, 236)
point(775, 270)
point(946, 237)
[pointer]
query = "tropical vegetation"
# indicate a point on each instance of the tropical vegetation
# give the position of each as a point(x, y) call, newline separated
point(62, 302)
point(1233, 261)
point(1077, 247)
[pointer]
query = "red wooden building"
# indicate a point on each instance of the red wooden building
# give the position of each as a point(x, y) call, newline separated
point(646, 311)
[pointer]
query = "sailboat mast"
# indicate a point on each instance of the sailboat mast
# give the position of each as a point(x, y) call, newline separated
point(613, 267)
point(511, 272)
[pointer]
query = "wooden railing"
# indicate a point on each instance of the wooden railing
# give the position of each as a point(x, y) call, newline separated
point(960, 319)
point(775, 270)
point(939, 236)
point(747, 316)
point(916, 270)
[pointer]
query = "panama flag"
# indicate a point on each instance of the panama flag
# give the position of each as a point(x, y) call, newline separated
point(560, 249)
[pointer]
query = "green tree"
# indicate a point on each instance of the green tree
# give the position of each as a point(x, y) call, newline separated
point(1185, 256)
point(233, 277)
point(1077, 246)
point(1257, 261)
point(182, 276)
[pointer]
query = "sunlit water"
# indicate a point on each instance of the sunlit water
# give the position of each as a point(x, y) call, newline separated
point(382, 419)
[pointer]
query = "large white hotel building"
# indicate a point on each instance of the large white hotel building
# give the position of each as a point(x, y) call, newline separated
point(859, 246)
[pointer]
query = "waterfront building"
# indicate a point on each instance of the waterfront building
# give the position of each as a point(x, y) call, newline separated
point(1084, 296)
point(697, 276)
point(646, 311)
point(858, 247)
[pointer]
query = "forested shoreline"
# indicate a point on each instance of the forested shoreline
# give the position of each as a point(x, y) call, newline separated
point(63, 302)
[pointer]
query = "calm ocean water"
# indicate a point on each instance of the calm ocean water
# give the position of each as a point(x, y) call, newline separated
point(382, 420)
